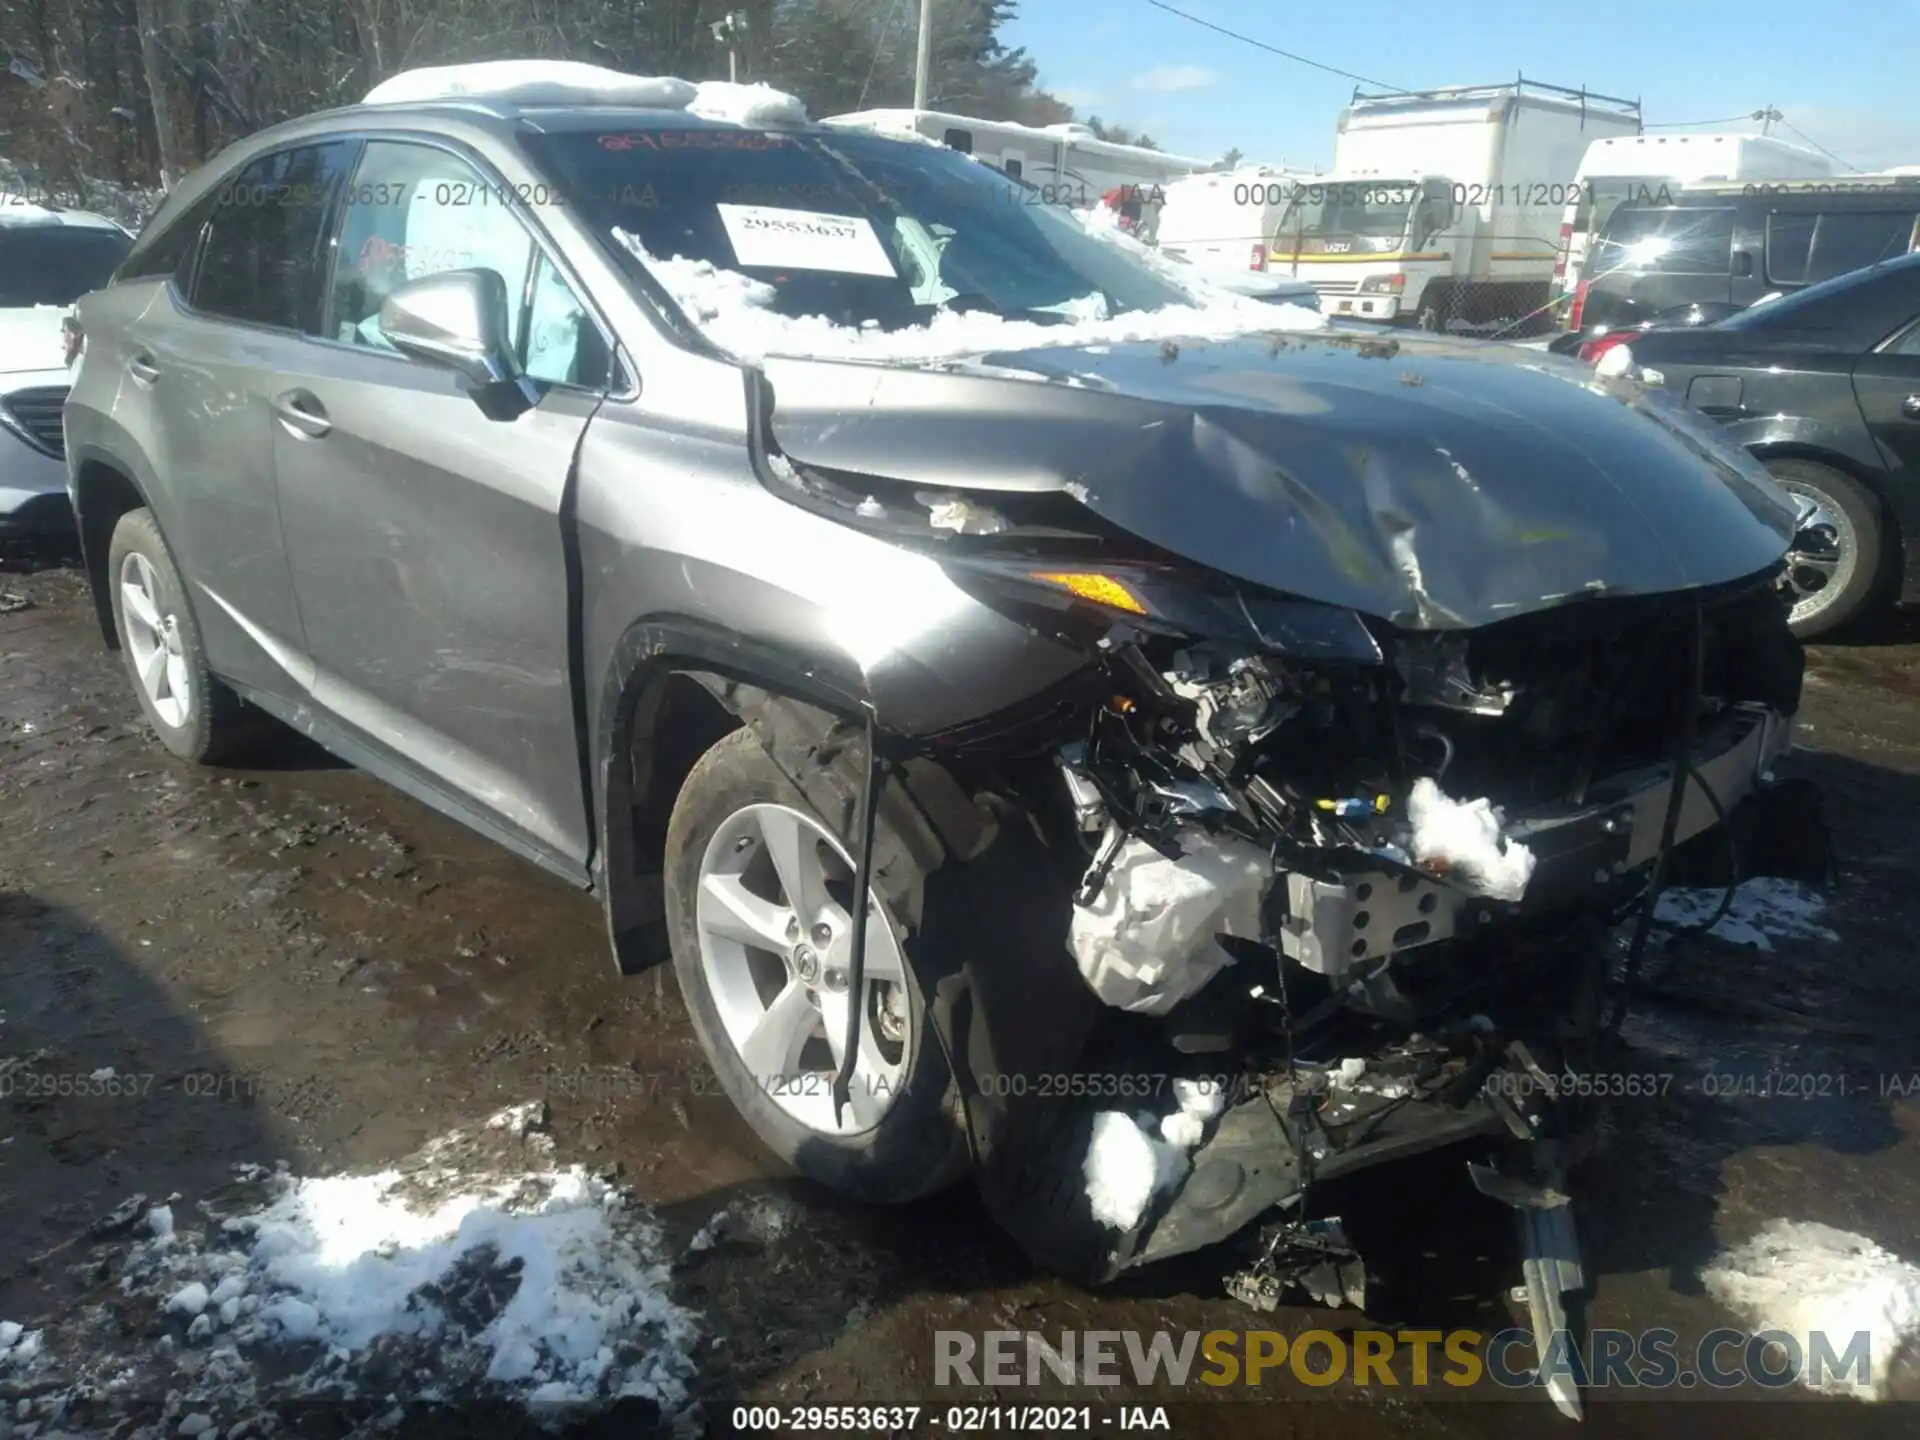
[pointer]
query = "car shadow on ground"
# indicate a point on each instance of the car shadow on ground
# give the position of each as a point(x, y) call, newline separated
point(107, 1089)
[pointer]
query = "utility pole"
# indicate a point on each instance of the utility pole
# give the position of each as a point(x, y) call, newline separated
point(725, 29)
point(923, 61)
point(1767, 118)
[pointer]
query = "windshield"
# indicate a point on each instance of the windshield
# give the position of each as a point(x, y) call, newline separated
point(1601, 195)
point(55, 264)
point(1376, 208)
point(860, 230)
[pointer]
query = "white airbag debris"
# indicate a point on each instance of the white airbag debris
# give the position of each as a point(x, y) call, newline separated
point(1125, 1167)
point(1146, 942)
point(1465, 841)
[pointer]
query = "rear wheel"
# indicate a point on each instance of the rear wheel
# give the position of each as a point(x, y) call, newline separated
point(195, 716)
point(759, 897)
point(1833, 571)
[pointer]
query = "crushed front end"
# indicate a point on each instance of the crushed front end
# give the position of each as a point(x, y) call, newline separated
point(1357, 893)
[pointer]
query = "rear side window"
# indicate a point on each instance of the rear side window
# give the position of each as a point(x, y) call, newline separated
point(1669, 241)
point(55, 264)
point(163, 251)
point(1852, 240)
point(261, 259)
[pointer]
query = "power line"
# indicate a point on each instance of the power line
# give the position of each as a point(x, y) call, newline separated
point(1723, 120)
point(1823, 149)
point(1272, 49)
point(878, 46)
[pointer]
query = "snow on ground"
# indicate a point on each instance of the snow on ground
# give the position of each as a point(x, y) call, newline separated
point(1131, 1158)
point(1465, 836)
point(476, 1270)
point(1763, 910)
point(1804, 1278)
point(735, 313)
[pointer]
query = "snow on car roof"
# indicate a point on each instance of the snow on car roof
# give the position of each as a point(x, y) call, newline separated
point(17, 211)
point(572, 82)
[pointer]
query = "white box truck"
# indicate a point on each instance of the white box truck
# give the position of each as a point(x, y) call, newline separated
point(1443, 206)
point(1069, 164)
point(1648, 167)
point(1226, 217)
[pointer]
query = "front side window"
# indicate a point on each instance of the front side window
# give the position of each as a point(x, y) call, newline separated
point(413, 211)
point(261, 259)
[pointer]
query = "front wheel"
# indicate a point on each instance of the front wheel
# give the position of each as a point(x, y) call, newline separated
point(759, 897)
point(193, 714)
point(1833, 570)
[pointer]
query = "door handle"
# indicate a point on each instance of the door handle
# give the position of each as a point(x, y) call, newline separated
point(143, 370)
point(302, 414)
point(1910, 407)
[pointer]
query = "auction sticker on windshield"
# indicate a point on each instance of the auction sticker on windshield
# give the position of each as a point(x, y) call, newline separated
point(804, 240)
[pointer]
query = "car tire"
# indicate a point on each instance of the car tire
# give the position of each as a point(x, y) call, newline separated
point(1853, 579)
point(195, 716)
point(918, 1144)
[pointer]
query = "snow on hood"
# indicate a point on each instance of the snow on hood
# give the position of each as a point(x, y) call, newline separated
point(570, 82)
point(30, 339)
point(735, 312)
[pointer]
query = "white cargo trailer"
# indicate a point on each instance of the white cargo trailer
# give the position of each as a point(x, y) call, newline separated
point(1225, 218)
point(1443, 206)
point(1647, 167)
point(1068, 163)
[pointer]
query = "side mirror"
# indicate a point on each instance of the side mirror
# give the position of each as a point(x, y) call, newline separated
point(456, 319)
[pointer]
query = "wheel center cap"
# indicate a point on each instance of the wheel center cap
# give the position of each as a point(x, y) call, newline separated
point(806, 962)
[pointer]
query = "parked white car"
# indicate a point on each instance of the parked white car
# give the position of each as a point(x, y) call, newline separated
point(49, 258)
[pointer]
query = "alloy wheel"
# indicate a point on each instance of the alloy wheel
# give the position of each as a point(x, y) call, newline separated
point(773, 915)
point(153, 640)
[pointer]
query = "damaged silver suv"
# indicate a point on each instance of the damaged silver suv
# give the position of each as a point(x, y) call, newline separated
point(1128, 744)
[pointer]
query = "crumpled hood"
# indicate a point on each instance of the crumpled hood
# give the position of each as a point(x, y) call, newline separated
point(1435, 483)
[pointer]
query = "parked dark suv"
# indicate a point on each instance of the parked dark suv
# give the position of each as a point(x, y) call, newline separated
point(988, 702)
point(1719, 248)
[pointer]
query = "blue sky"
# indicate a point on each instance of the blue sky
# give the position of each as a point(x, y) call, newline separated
point(1846, 72)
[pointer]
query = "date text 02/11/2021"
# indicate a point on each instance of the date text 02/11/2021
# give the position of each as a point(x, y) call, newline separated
point(971, 1419)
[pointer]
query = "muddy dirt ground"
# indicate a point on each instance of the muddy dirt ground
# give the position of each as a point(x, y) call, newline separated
point(314, 968)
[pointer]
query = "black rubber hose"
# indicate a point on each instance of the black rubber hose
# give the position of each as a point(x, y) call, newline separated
point(857, 961)
point(1676, 797)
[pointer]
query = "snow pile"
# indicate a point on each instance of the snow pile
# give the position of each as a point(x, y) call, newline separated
point(569, 82)
point(533, 82)
point(1807, 1279)
point(736, 313)
point(1127, 1163)
point(746, 104)
point(1464, 841)
point(474, 1271)
point(1763, 910)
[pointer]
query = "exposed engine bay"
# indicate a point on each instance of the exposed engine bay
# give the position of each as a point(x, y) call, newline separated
point(1345, 889)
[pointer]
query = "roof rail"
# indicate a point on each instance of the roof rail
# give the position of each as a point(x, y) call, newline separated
point(1519, 85)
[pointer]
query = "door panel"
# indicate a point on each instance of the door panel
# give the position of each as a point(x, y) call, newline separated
point(210, 369)
point(1888, 386)
point(424, 538)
